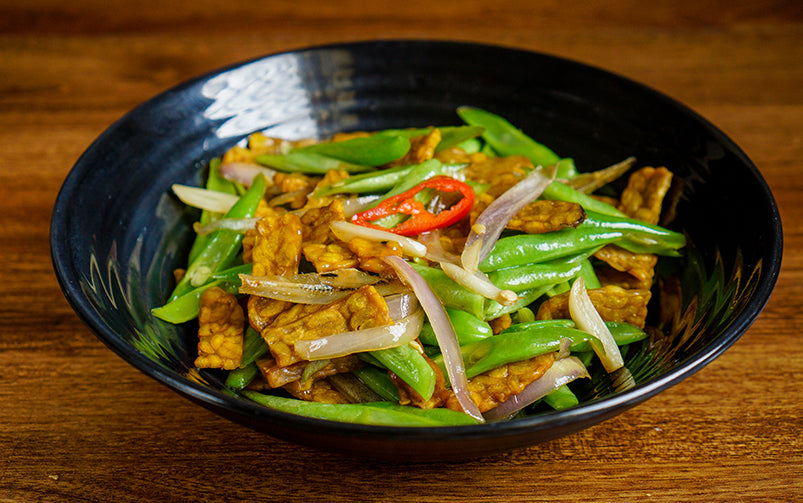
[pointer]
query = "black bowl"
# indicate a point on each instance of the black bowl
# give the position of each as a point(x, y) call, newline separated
point(117, 233)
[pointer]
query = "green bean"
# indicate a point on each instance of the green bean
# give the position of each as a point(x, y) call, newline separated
point(524, 315)
point(507, 140)
point(422, 196)
point(410, 366)
point(309, 163)
point(623, 333)
point(561, 398)
point(471, 146)
point(559, 289)
point(562, 192)
point(528, 340)
point(450, 135)
point(538, 324)
point(377, 413)
point(377, 181)
point(373, 150)
point(419, 173)
point(379, 382)
point(596, 230)
point(241, 377)
point(468, 328)
point(443, 414)
point(589, 275)
point(585, 357)
point(638, 236)
point(524, 249)
point(408, 133)
point(488, 151)
point(368, 358)
point(214, 181)
point(223, 245)
point(508, 347)
point(494, 309)
point(186, 307)
point(526, 277)
point(450, 293)
point(254, 346)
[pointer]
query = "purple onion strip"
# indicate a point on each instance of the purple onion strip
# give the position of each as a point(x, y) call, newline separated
point(491, 222)
point(561, 372)
point(444, 333)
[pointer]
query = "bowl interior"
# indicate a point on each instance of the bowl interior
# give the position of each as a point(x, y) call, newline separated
point(117, 232)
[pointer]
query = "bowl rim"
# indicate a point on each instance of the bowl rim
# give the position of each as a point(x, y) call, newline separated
point(588, 413)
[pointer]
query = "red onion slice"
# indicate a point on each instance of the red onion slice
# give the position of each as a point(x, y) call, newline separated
point(348, 278)
point(480, 284)
point(561, 372)
point(346, 231)
point(444, 333)
point(588, 320)
point(491, 222)
point(298, 288)
point(358, 341)
point(401, 305)
point(230, 224)
point(205, 199)
point(244, 172)
point(355, 204)
point(435, 251)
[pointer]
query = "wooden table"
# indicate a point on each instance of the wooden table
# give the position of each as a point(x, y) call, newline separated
point(79, 424)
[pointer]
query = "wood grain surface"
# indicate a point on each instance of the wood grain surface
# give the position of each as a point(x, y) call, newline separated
point(77, 423)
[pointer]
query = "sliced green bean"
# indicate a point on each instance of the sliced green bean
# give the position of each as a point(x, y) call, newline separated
point(530, 276)
point(372, 150)
point(562, 192)
point(623, 333)
point(506, 140)
point(309, 163)
point(524, 315)
point(223, 245)
point(186, 307)
point(494, 309)
point(596, 230)
point(561, 398)
point(508, 347)
point(410, 366)
point(216, 182)
point(471, 146)
point(521, 249)
point(443, 414)
point(254, 346)
point(532, 339)
point(450, 293)
point(419, 173)
point(378, 413)
point(450, 135)
point(241, 377)
point(376, 181)
point(379, 382)
point(589, 275)
point(468, 328)
point(638, 236)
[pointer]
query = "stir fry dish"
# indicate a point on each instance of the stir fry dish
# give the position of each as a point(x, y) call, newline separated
point(436, 276)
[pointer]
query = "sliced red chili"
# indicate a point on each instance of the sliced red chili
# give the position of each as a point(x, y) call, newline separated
point(421, 220)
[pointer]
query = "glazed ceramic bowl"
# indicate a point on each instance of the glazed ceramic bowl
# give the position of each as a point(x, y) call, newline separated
point(117, 232)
